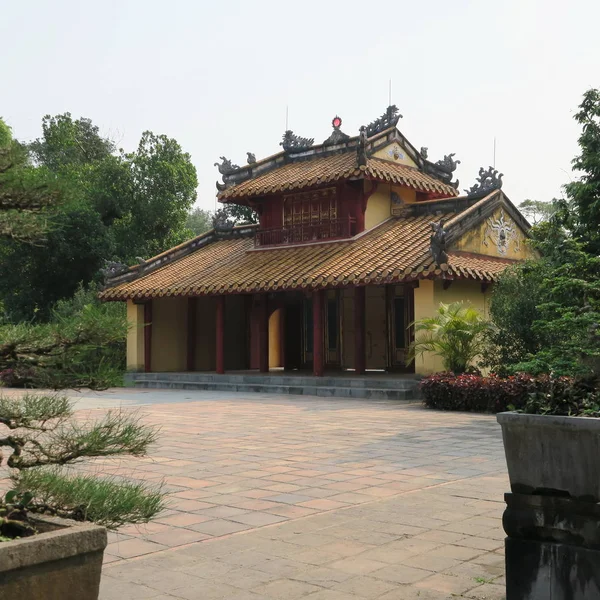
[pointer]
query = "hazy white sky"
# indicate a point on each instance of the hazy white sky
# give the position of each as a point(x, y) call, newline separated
point(217, 76)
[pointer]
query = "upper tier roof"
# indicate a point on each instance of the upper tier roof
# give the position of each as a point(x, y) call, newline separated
point(328, 169)
point(304, 164)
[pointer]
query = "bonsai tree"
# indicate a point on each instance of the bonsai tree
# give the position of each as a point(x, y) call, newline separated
point(42, 437)
point(456, 334)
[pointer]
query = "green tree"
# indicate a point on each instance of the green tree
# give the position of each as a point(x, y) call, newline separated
point(584, 194)
point(161, 190)
point(457, 333)
point(26, 194)
point(115, 206)
point(199, 221)
point(537, 211)
point(240, 215)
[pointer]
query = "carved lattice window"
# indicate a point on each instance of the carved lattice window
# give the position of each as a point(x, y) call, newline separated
point(310, 208)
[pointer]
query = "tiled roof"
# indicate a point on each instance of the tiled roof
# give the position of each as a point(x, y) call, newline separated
point(396, 250)
point(327, 169)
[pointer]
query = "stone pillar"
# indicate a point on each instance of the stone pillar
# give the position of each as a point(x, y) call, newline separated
point(263, 335)
point(148, 336)
point(135, 337)
point(220, 332)
point(192, 311)
point(359, 330)
point(318, 337)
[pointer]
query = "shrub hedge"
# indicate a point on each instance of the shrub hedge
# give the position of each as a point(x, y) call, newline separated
point(538, 395)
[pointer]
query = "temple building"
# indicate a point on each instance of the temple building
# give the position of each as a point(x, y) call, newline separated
point(357, 237)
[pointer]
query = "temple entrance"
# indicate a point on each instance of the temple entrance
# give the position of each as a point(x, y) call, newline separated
point(401, 313)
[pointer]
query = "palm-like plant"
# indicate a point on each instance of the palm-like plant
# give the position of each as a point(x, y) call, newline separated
point(456, 334)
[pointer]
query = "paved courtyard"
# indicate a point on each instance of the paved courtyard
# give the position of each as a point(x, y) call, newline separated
point(299, 497)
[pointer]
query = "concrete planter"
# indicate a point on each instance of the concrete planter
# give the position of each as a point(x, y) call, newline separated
point(64, 562)
point(552, 455)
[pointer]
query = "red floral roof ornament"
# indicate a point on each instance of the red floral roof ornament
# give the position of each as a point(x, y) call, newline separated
point(337, 135)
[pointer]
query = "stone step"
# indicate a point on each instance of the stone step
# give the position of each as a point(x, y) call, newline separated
point(322, 391)
point(388, 383)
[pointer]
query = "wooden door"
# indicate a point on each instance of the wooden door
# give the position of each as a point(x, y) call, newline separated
point(376, 328)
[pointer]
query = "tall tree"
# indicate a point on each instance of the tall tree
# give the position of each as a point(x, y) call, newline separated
point(199, 221)
point(537, 211)
point(115, 206)
point(25, 193)
point(584, 194)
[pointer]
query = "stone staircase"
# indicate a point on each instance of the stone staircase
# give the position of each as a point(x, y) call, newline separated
point(350, 386)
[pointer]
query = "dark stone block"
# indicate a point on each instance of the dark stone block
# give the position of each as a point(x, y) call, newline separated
point(547, 571)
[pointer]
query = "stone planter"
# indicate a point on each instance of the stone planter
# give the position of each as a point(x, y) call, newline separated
point(552, 455)
point(552, 516)
point(63, 562)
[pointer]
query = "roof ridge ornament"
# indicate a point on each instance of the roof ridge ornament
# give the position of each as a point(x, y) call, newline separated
point(337, 135)
point(438, 242)
point(448, 165)
point(361, 148)
point(225, 168)
point(293, 142)
point(388, 119)
point(488, 181)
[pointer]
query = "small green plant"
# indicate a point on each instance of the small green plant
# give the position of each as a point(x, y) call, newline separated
point(456, 334)
point(14, 521)
point(43, 438)
point(482, 580)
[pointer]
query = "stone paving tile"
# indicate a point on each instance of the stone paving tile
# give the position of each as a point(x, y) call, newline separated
point(310, 497)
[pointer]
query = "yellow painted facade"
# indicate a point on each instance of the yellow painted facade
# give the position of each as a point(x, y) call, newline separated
point(394, 152)
point(135, 336)
point(499, 236)
point(428, 297)
point(169, 334)
point(378, 206)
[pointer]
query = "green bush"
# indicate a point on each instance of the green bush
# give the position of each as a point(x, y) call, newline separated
point(82, 346)
point(545, 394)
point(456, 334)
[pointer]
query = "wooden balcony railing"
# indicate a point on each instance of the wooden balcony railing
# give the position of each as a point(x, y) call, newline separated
point(306, 232)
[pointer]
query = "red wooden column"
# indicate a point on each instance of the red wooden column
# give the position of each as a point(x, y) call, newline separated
point(148, 336)
point(263, 334)
point(318, 338)
point(359, 330)
point(220, 329)
point(192, 311)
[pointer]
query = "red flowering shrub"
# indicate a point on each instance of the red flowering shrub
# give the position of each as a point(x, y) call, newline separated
point(542, 395)
point(467, 392)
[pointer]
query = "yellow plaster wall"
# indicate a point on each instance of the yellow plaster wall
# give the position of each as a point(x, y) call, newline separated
point(428, 297)
point(484, 238)
point(378, 206)
point(135, 336)
point(394, 152)
point(169, 334)
point(406, 194)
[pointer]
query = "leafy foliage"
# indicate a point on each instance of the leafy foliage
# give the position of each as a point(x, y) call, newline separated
point(537, 211)
point(42, 436)
point(240, 215)
point(456, 334)
point(547, 312)
point(114, 206)
point(536, 395)
point(107, 502)
point(199, 221)
point(26, 194)
point(83, 345)
point(584, 194)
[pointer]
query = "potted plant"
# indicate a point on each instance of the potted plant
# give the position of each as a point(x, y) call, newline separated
point(552, 449)
point(53, 522)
